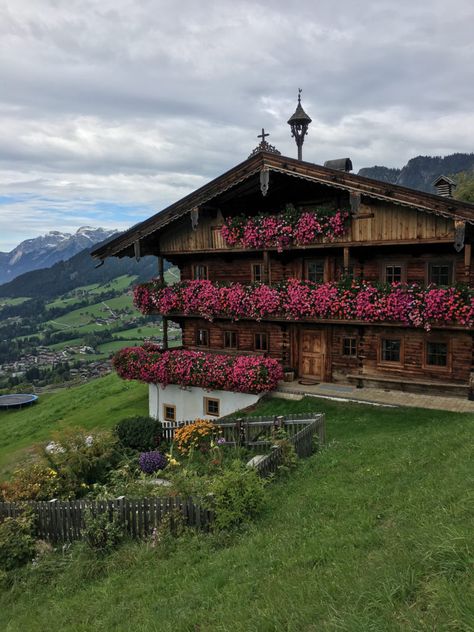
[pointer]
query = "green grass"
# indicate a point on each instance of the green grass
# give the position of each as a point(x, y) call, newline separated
point(119, 284)
point(98, 404)
point(373, 534)
point(13, 301)
point(143, 331)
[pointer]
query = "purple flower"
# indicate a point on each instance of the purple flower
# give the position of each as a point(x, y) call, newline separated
point(151, 462)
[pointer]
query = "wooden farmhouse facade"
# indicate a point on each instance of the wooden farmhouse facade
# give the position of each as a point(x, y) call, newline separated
point(368, 235)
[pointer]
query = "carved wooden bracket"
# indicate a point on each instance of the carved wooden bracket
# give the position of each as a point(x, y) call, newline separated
point(459, 234)
point(264, 180)
point(136, 249)
point(354, 199)
point(194, 213)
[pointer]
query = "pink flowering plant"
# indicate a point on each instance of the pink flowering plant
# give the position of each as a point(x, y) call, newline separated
point(281, 230)
point(354, 300)
point(243, 374)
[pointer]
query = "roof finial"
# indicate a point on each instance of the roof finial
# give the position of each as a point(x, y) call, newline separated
point(299, 125)
point(264, 145)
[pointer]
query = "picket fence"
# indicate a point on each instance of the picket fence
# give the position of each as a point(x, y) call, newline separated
point(64, 521)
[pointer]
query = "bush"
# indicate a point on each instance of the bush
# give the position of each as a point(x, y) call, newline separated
point(102, 533)
point(17, 544)
point(33, 482)
point(196, 436)
point(238, 495)
point(139, 433)
point(82, 459)
point(151, 462)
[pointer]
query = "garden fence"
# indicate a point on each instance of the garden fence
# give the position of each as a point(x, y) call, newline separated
point(64, 521)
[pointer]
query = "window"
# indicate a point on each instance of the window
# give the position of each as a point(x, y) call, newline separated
point(202, 337)
point(261, 342)
point(440, 273)
point(315, 271)
point(391, 350)
point(393, 273)
point(200, 273)
point(437, 354)
point(169, 412)
point(230, 340)
point(257, 272)
point(349, 347)
point(211, 406)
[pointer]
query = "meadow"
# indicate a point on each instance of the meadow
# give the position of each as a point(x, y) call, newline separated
point(372, 533)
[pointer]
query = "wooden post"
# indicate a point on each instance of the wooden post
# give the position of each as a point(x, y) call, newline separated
point(161, 273)
point(164, 322)
point(467, 261)
point(346, 261)
point(266, 267)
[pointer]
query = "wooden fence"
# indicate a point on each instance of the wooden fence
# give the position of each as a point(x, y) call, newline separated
point(64, 521)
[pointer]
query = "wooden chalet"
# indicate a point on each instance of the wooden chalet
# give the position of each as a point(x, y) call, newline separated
point(394, 234)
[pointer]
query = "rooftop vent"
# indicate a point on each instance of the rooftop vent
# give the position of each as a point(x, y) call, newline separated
point(341, 164)
point(444, 186)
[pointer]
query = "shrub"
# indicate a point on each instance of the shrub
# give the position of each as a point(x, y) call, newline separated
point(139, 433)
point(237, 496)
point(82, 459)
point(36, 481)
point(102, 533)
point(17, 544)
point(196, 436)
point(151, 462)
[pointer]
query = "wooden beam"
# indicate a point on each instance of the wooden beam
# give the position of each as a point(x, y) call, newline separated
point(161, 273)
point(266, 267)
point(165, 332)
point(346, 260)
point(467, 261)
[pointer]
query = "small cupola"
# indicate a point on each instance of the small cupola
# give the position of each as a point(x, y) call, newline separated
point(341, 164)
point(299, 123)
point(444, 186)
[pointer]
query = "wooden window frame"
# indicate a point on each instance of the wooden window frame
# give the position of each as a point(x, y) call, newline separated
point(261, 333)
point(440, 262)
point(391, 363)
point(233, 332)
point(387, 264)
point(349, 355)
point(320, 262)
point(195, 269)
point(253, 276)
point(207, 401)
point(449, 356)
point(208, 336)
point(165, 416)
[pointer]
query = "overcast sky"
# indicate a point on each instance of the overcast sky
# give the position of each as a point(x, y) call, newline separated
point(110, 110)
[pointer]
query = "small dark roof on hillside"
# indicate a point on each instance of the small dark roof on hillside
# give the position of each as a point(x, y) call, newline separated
point(446, 207)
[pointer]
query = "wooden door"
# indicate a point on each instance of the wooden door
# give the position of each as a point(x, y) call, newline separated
point(313, 354)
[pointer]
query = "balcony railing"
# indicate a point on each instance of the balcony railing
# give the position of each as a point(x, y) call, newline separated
point(411, 305)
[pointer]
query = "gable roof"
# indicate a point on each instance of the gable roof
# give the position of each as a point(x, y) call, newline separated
point(438, 205)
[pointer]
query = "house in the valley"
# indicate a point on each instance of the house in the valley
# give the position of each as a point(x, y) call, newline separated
point(338, 277)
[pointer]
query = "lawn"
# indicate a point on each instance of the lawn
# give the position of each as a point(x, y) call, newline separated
point(373, 533)
point(97, 404)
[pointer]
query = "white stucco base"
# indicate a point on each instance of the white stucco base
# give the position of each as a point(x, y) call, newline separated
point(189, 402)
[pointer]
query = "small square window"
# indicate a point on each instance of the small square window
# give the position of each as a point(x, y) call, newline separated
point(315, 271)
point(440, 273)
point(261, 342)
point(391, 350)
point(349, 347)
point(393, 274)
point(257, 272)
point(200, 273)
point(437, 354)
point(202, 337)
point(230, 340)
point(211, 406)
point(169, 412)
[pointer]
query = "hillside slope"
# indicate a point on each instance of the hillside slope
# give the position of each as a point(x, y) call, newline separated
point(373, 533)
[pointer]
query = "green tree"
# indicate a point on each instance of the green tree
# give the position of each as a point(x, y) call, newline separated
point(465, 187)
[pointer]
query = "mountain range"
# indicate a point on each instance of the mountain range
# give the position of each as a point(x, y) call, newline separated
point(46, 250)
point(420, 172)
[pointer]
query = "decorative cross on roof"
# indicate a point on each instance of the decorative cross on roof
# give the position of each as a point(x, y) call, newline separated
point(264, 145)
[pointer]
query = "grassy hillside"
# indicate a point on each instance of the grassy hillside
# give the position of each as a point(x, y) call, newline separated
point(374, 533)
point(98, 404)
